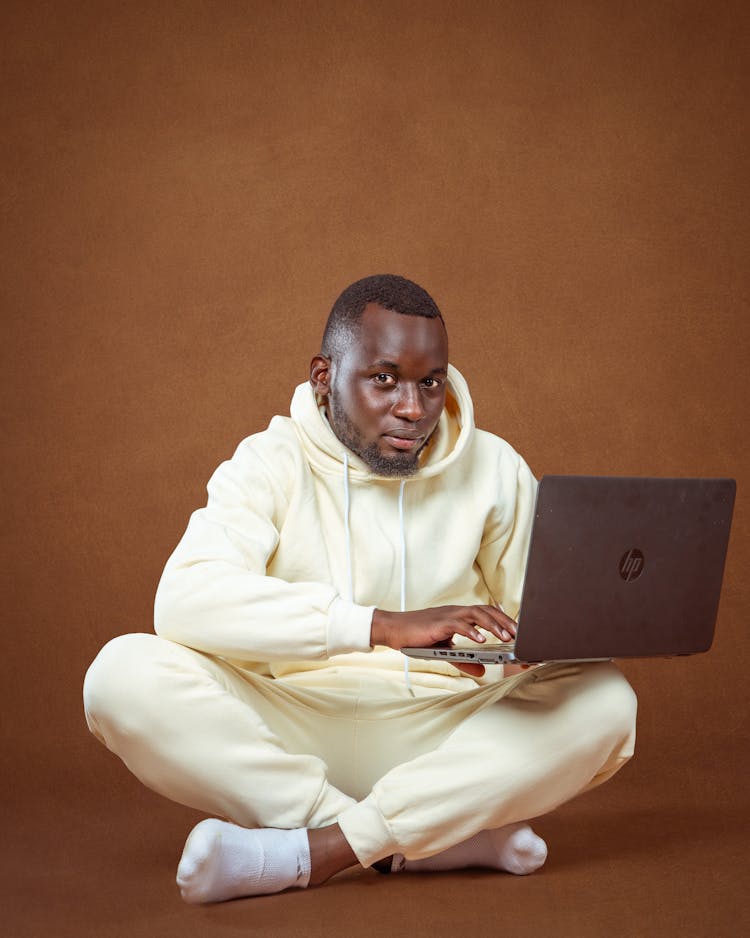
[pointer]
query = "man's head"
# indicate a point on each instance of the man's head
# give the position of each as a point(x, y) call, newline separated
point(382, 371)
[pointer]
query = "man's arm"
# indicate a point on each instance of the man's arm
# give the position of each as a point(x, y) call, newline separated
point(216, 594)
point(505, 541)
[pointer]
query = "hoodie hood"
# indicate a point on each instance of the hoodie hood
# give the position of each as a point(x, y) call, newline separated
point(326, 452)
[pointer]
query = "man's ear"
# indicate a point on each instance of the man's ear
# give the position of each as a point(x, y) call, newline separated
point(320, 375)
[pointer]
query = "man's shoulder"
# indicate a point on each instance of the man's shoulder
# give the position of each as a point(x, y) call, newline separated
point(490, 443)
point(495, 460)
point(265, 464)
point(279, 442)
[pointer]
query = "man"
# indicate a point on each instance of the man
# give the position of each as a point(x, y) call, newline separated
point(274, 694)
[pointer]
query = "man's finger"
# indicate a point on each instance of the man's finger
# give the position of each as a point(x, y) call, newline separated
point(472, 668)
point(496, 622)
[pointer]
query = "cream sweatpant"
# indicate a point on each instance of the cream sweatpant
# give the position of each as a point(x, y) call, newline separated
point(399, 774)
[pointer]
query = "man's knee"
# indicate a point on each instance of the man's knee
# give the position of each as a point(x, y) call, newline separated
point(613, 703)
point(120, 682)
point(620, 696)
point(595, 698)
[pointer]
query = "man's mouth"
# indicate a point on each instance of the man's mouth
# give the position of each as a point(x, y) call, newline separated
point(403, 439)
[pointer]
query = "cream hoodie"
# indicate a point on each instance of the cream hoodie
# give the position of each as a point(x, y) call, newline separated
point(300, 541)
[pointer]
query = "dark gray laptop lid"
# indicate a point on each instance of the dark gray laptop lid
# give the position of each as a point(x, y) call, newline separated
point(624, 567)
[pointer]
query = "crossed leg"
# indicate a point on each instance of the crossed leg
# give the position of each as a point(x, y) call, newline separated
point(475, 765)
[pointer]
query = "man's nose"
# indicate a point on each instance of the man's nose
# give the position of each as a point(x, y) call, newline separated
point(408, 405)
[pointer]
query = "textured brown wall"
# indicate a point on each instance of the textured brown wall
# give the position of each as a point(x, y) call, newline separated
point(186, 188)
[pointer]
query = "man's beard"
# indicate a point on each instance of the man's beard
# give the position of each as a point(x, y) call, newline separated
point(400, 464)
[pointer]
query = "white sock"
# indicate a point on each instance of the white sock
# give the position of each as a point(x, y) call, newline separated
point(223, 861)
point(514, 848)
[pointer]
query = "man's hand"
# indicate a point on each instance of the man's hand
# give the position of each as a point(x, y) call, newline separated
point(422, 627)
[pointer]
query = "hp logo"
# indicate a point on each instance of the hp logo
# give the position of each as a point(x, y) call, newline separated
point(631, 564)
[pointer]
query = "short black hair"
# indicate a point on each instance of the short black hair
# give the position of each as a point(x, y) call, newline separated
point(387, 290)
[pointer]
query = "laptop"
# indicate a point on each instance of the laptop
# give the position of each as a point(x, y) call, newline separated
point(617, 568)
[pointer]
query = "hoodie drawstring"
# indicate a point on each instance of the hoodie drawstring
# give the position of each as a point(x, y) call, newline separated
point(402, 529)
point(348, 544)
point(347, 534)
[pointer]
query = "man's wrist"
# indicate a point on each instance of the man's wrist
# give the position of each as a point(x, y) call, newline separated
point(380, 630)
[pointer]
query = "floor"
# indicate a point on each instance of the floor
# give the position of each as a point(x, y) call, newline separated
point(661, 850)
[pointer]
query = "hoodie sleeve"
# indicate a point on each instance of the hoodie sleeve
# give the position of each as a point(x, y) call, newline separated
point(507, 533)
point(215, 594)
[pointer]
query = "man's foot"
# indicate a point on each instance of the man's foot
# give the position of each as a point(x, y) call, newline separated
point(514, 849)
point(223, 861)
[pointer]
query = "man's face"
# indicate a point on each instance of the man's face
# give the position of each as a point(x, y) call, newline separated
point(385, 393)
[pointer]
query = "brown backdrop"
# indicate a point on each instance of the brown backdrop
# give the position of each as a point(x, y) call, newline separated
point(186, 188)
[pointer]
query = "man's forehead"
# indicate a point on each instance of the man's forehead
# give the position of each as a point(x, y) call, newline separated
point(385, 336)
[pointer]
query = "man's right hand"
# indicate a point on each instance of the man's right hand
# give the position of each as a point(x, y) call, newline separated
point(422, 627)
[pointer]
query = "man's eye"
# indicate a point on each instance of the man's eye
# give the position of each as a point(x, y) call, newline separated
point(431, 383)
point(384, 378)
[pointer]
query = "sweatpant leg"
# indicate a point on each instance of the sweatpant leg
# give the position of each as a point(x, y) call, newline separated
point(560, 731)
point(185, 724)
